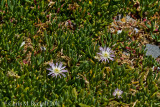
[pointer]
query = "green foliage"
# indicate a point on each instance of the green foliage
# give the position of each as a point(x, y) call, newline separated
point(88, 82)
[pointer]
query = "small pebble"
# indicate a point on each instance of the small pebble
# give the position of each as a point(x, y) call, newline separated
point(152, 50)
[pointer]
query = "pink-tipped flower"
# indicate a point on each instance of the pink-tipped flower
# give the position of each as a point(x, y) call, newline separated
point(105, 54)
point(117, 92)
point(57, 70)
point(144, 19)
point(156, 30)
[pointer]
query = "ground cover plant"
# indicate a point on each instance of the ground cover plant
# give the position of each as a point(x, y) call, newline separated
point(80, 53)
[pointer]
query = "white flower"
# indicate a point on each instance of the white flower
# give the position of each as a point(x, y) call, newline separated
point(22, 44)
point(136, 30)
point(118, 93)
point(105, 54)
point(119, 31)
point(56, 70)
point(43, 48)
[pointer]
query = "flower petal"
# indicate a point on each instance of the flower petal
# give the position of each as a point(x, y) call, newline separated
point(64, 71)
point(63, 67)
point(112, 55)
point(60, 76)
point(111, 58)
point(114, 93)
point(108, 49)
point(53, 75)
point(100, 48)
point(99, 53)
point(51, 64)
point(60, 65)
point(63, 74)
point(50, 73)
point(57, 65)
point(49, 69)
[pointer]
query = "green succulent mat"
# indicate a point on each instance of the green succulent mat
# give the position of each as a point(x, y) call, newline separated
point(79, 53)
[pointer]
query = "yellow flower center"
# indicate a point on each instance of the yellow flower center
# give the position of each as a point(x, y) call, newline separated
point(118, 93)
point(56, 70)
point(106, 54)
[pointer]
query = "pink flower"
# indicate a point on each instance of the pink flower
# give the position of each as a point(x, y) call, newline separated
point(57, 70)
point(156, 30)
point(106, 54)
point(117, 93)
point(25, 62)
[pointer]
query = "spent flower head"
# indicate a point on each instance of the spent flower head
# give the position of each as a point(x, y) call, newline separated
point(117, 92)
point(57, 69)
point(105, 54)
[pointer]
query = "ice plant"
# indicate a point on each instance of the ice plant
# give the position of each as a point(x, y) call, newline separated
point(117, 93)
point(57, 69)
point(105, 54)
